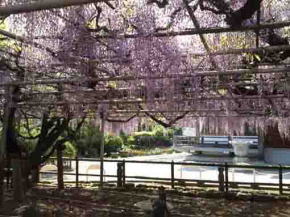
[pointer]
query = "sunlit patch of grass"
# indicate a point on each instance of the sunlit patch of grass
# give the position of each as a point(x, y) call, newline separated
point(144, 152)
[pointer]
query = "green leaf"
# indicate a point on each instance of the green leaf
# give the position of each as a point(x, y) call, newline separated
point(257, 57)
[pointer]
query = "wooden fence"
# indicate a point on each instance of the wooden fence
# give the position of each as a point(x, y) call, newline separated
point(222, 182)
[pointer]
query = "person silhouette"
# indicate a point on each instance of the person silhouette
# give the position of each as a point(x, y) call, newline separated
point(159, 206)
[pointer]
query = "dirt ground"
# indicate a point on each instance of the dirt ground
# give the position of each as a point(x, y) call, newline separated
point(114, 202)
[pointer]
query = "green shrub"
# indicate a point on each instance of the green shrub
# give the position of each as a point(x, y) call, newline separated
point(144, 142)
point(88, 144)
point(113, 144)
point(178, 131)
point(158, 130)
point(170, 132)
point(159, 137)
point(162, 141)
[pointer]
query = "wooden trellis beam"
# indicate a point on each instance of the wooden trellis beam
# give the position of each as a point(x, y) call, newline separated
point(191, 113)
point(208, 115)
point(245, 50)
point(210, 30)
point(214, 115)
point(136, 92)
point(171, 111)
point(138, 101)
point(216, 53)
point(42, 5)
point(80, 81)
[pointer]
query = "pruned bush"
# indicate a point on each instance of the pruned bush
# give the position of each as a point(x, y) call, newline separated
point(162, 141)
point(89, 142)
point(113, 144)
point(143, 142)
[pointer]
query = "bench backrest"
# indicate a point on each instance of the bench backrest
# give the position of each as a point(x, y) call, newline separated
point(185, 140)
point(253, 140)
point(217, 140)
point(220, 140)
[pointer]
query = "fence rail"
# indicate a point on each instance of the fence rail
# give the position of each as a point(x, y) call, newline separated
point(224, 172)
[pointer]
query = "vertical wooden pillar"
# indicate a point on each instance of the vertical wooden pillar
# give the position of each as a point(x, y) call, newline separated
point(221, 179)
point(3, 143)
point(261, 143)
point(102, 150)
point(280, 179)
point(227, 177)
point(77, 171)
point(218, 126)
point(120, 167)
point(124, 172)
point(172, 174)
point(60, 183)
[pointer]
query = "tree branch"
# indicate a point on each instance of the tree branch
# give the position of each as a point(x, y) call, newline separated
point(236, 18)
point(162, 123)
point(121, 121)
point(161, 4)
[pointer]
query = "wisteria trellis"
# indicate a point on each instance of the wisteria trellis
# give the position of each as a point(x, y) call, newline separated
point(123, 53)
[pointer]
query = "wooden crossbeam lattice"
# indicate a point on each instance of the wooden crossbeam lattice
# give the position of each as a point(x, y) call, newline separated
point(42, 5)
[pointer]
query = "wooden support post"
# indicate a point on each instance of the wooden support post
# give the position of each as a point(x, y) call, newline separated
point(3, 143)
point(119, 174)
point(172, 174)
point(280, 179)
point(102, 150)
point(221, 179)
point(60, 183)
point(227, 177)
point(124, 172)
point(77, 171)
